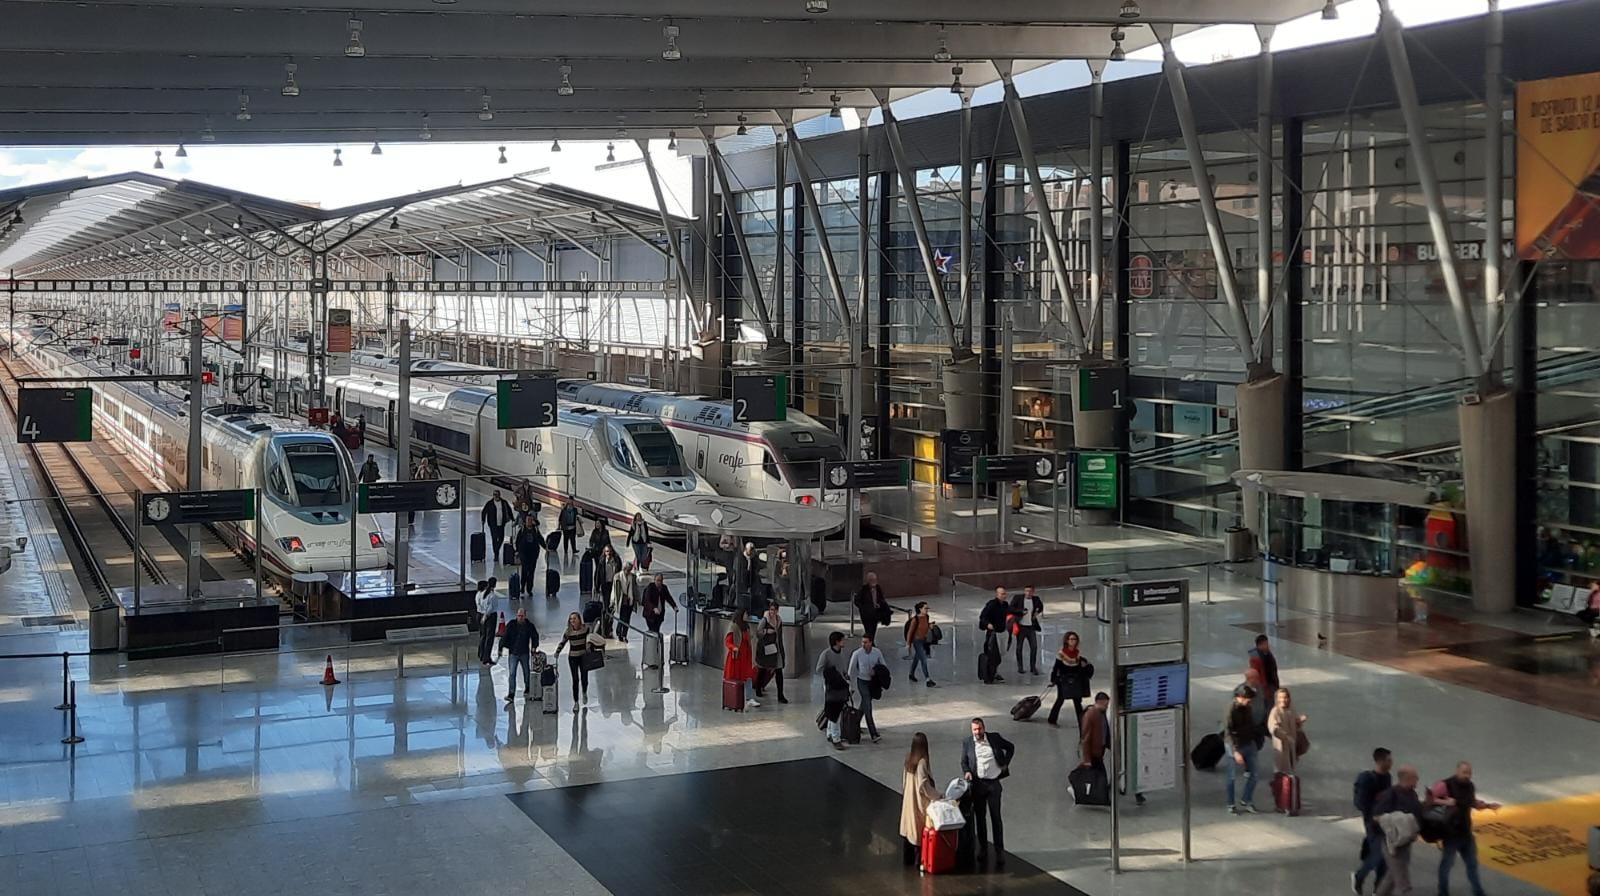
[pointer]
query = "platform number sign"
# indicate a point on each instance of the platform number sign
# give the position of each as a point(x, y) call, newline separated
point(55, 415)
point(762, 398)
point(1102, 388)
point(526, 403)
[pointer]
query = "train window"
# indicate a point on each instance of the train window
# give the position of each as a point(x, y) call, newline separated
point(278, 485)
point(770, 466)
point(511, 439)
point(657, 449)
point(622, 454)
point(317, 474)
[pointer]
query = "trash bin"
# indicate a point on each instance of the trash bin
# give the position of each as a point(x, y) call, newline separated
point(1239, 544)
point(105, 627)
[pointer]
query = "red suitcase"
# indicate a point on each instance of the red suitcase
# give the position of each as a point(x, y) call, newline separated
point(1286, 793)
point(733, 695)
point(939, 850)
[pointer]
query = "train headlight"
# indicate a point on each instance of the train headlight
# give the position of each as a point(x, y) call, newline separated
point(376, 539)
point(292, 544)
point(807, 500)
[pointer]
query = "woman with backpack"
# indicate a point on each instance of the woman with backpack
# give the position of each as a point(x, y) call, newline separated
point(1071, 675)
point(769, 652)
point(639, 541)
point(919, 633)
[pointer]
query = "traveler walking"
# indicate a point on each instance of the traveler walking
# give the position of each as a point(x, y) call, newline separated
point(1094, 733)
point(567, 521)
point(369, 470)
point(1026, 608)
point(746, 578)
point(488, 621)
point(520, 639)
point(985, 761)
point(769, 652)
point(1368, 786)
point(1259, 707)
point(605, 571)
point(833, 666)
point(524, 499)
point(1461, 794)
point(1266, 665)
point(527, 546)
point(599, 535)
point(1239, 732)
point(1286, 727)
point(653, 603)
point(871, 606)
point(992, 620)
point(496, 514)
point(864, 663)
point(624, 597)
point(1402, 798)
point(639, 541)
point(917, 791)
point(919, 629)
point(1071, 675)
point(738, 663)
point(575, 641)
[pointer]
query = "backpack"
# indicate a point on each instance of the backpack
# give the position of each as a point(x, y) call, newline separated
point(1364, 792)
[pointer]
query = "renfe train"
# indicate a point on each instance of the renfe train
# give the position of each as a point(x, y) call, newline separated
point(303, 476)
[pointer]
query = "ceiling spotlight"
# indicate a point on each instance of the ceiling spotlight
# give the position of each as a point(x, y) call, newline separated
point(742, 131)
point(207, 135)
point(955, 85)
point(805, 82)
point(943, 53)
point(238, 222)
point(394, 223)
point(555, 144)
point(502, 155)
point(377, 150)
point(611, 153)
point(158, 166)
point(290, 88)
point(672, 141)
point(427, 132)
point(244, 107)
point(181, 153)
point(700, 106)
point(1329, 11)
point(671, 53)
point(207, 231)
point(1117, 54)
point(355, 50)
point(816, 7)
point(183, 237)
point(1130, 9)
point(834, 112)
point(485, 113)
point(566, 80)
point(337, 161)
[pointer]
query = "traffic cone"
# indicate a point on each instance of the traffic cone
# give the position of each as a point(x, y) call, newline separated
point(327, 673)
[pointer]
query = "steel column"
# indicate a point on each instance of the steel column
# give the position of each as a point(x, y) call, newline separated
point(1044, 215)
point(965, 258)
point(196, 425)
point(752, 277)
point(1405, 88)
point(671, 232)
point(856, 334)
point(1264, 170)
point(830, 267)
point(780, 183)
point(1493, 211)
point(402, 456)
point(1095, 336)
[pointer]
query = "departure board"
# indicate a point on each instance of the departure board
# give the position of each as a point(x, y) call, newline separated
point(1155, 686)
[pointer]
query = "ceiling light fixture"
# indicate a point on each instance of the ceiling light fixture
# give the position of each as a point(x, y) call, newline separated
point(805, 82)
point(672, 141)
point(355, 50)
point(290, 88)
point(427, 132)
point(1130, 9)
point(337, 161)
point(700, 106)
point(1330, 12)
point(244, 107)
point(158, 166)
point(181, 153)
point(566, 80)
point(835, 111)
point(377, 150)
point(1117, 54)
point(485, 109)
point(816, 7)
point(207, 231)
point(502, 155)
point(555, 144)
point(943, 53)
point(207, 135)
point(611, 153)
point(742, 131)
point(671, 53)
point(238, 221)
point(955, 85)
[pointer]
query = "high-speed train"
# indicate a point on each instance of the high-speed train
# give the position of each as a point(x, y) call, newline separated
point(610, 464)
point(304, 475)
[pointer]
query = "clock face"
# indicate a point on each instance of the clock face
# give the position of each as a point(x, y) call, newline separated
point(157, 509)
point(839, 476)
point(1044, 467)
point(445, 495)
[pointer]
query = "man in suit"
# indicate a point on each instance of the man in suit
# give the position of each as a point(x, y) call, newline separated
point(496, 514)
point(870, 605)
point(985, 760)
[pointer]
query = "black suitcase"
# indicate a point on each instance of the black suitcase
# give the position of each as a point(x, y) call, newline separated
point(508, 554)
point(553, 540)
point(476, 547)
point(592, 610)
point(1208, 752)
point(552, 582)
point(514, 587)
point(1026, 707)
point(1089, 786)
point(850, 724)
point(989, 659)
point(967, 843)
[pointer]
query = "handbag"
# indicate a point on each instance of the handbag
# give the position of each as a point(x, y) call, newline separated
point(944, 815)
point(935, 634)
point(1302, 744)
point(592, 659)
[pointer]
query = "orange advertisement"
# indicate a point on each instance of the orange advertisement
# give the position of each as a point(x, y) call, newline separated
point(1558, 168)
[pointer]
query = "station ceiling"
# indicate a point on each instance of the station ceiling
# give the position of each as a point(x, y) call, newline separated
point(129, 72)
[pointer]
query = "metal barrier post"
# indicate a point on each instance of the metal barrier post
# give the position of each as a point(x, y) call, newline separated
point(1208, 584)
point(909, 498)
point(660, 670)
point(72, 719)
point(67, 700)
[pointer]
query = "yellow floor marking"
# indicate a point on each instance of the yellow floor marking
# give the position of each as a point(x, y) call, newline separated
point(1545, 844)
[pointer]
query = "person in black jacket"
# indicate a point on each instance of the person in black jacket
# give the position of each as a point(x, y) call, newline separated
point(1071, 675)
point(993, 619)
point(496, 514)
point(1402, 797)
point(872, 606)
point(520, 639)
point(1026, 609)
point(985, 760)
point(529, 541)
point(567, 521)
point(1461, 793)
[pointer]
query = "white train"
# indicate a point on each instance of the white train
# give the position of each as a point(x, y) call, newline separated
point(304, 476)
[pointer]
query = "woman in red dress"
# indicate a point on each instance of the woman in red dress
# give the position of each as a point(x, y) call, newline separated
point(738, 663)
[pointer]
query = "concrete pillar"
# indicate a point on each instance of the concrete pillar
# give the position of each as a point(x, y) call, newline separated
point(963, 399)
point(1261, 434)
point(1488, 454)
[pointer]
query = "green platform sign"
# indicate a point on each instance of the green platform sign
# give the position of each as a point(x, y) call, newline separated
point(1098, 486)
point(55, 415)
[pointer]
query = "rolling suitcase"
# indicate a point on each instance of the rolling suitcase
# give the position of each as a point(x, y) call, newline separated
point(850, 724)
point(592, 611)
point(514, 587)
point(939, 848)
point(989, 659)
point(476, 546)
point(1026, 707)
point(1208, 752)
point(553, 540)
point(679, 652)
point(1089, 786)
point(1286, 793)
point(733, 695)
point(547, 689)
point(508, 554)
point(652, 651)
point(552, 582)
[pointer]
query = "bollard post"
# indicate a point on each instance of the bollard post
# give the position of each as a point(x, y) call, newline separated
point(72, 718)
point(67, 701)
point(659, 671)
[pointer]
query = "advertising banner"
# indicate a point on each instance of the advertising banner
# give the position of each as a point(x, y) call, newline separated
point(339, 342)
point(1558, 168)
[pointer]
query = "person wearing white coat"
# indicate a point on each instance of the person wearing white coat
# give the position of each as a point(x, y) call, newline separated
point(624, 597)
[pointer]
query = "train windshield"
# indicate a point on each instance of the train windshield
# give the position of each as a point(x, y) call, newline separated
point(803, 454)
point(316, 475)
point(655, 449)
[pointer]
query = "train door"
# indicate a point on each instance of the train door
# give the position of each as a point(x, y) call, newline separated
point(338, 401)
point(702, 451)
point(388, 422)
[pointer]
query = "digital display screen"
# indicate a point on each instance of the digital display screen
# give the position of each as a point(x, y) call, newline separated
point(1155, 687)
